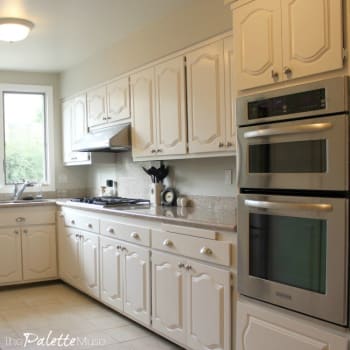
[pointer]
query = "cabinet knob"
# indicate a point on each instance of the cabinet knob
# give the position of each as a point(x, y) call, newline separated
point(16, 232)
point(20, 219)
point(104, 118)
point(25, 231)
point(89, 225)
point(287, 71)
point(206, 251)
point(159, 150)
point(188, 267)
point(274, 75)
point(118, 247)
point(180, 265)
point(168, 243)
point(73, 158)
point(124, 249)
point(221, 144)
point(134, 235)
point(229, 144)
point(72, 222)
point(153, 151)
point(110, 230)
point(77, 236)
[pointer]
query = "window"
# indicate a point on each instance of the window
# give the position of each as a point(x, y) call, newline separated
point(26, 127)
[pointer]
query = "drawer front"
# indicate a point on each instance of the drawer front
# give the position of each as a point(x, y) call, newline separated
point(217, 252)
point(130, 233)
point(81, 221)
point(28, 216)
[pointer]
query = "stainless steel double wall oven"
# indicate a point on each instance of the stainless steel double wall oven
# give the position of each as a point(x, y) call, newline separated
point(293, 210)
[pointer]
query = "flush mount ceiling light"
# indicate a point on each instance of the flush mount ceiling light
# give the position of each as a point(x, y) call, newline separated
point(14, 29)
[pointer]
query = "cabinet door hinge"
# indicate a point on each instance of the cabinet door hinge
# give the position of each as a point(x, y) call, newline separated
point(345, 54)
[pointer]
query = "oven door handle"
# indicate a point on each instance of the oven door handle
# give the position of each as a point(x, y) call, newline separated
point(286, 130)
point(288, 206)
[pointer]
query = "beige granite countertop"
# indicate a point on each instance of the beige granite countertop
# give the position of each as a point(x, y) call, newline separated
point(201, 217)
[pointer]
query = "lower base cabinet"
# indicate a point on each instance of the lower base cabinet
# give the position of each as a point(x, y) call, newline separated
point(261, 328)
point(125, 278)
point(191, 302)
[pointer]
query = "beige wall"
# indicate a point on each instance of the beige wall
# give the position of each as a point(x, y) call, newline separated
point(173, 32)
point(66, 178)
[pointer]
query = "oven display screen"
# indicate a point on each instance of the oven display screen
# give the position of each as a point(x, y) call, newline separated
point(288, 250)
point(289, 104)
point(289, 157)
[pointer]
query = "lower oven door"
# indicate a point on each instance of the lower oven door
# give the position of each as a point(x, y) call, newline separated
point(308, 154)
point(293, 252)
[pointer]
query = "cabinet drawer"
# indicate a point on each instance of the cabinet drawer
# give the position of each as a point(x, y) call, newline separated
point(130, 233)
point(217, 252)
point(27, 216)
point(81, 221)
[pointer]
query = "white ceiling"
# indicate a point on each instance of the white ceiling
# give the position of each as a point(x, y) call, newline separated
point(67, 32)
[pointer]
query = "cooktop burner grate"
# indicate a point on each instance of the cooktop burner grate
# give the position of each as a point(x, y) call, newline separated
point(111, 201)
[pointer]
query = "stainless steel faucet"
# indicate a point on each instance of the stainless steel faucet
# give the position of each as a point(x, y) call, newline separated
point(20, 187)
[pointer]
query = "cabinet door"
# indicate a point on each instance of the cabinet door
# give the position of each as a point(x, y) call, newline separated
point(143, 114)
point(118, 100)
point(168, 301)
point(137, 283)
point(67, 111)
point(69, 256)
point(258, 43)
point(209, 307)
point(79, 127)
point(230, 114)
point(111, 267)
point(39, 252)
point(311, 43)
point(89, 263)
point(96, 106)
point(260, 327)
point(10, 255)
point(205, 96)
point(171, 107)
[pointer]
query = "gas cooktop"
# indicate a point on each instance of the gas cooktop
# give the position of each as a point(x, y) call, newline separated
point(108, 201)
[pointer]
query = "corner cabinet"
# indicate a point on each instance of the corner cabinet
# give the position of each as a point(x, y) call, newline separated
point(159, 110)
point(278, 40)
point(74, 127)
point(261, 327)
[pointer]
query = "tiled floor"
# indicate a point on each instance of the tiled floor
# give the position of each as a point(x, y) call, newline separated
point(52, 311)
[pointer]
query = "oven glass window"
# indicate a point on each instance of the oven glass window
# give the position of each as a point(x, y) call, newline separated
point(288, 250)
point(289, 157)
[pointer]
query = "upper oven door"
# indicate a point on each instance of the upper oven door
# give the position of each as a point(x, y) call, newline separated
point(293, 252)
point(309, 154)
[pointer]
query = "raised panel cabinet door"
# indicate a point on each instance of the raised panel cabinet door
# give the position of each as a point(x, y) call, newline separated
point(312, 37)
point(257, 43)
point(67, 110)
point(79, 126)
point(69, 254)
point(39, 252)
point(10, 255)
point(96, 106)
point(168, 296)
point(171, 122)
point(205, 96)
point(143, 113)
point(260, 327)
point(111, 264)
point(118, 100)
point(137, 301)
point(89, 260)
point(230, 114)
point(209, 307)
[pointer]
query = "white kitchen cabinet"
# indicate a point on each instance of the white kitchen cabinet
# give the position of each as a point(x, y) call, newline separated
point(261, 327)
point(74, 128)
point(96, 106)
point(206, 98)
point(39, 252)
point(143, 113)
point(272, 45)
point(118, 100)
point(159, 110)
point(125, 278)
point(10, 255)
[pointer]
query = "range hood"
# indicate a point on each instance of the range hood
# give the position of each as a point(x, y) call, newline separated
point(109, 139)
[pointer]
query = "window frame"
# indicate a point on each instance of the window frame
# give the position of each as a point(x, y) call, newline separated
point(47, 91)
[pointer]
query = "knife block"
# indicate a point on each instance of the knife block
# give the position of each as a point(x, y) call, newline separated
point(155, 193)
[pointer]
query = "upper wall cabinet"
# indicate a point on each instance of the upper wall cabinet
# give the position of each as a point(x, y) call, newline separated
point(110, 103)
point(281, 40)
point(74, 128)
point(159, 110)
